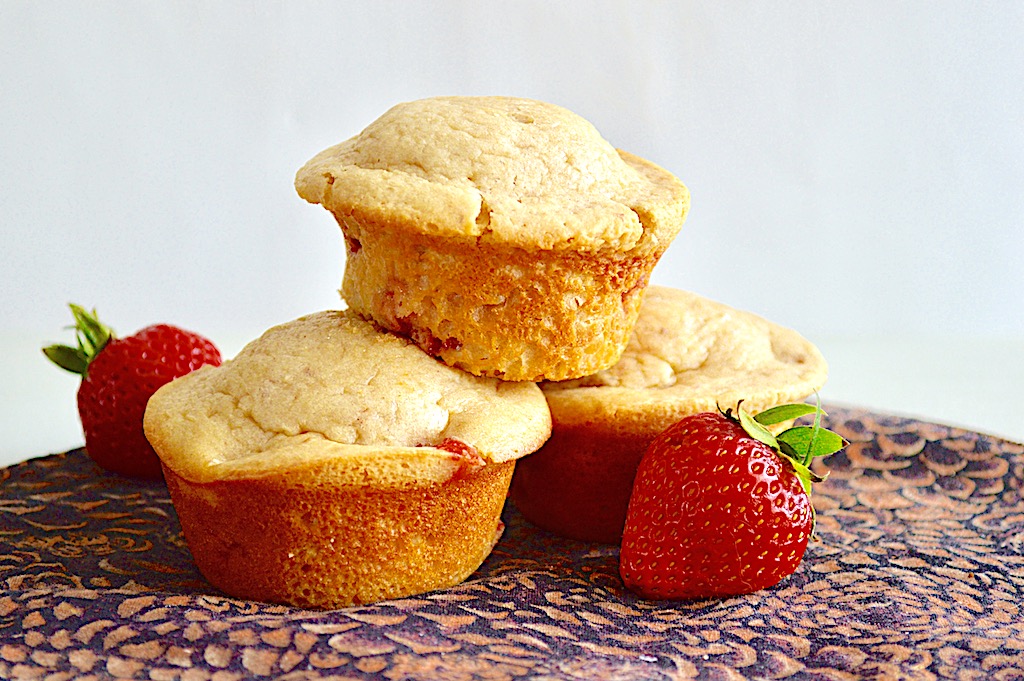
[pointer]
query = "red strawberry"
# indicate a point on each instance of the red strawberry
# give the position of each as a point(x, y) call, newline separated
point(118, 377)
point(720, 506)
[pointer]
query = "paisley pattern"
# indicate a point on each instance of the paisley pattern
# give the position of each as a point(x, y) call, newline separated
point(918, 574)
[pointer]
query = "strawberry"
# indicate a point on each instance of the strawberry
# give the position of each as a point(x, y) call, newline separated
point(720, 506)
point(118, 377)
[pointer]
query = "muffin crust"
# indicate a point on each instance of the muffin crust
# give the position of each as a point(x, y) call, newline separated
point(496, 169)
point(504, 236)
point(333, 387)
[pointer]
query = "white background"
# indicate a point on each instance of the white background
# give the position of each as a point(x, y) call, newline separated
point(857, 169)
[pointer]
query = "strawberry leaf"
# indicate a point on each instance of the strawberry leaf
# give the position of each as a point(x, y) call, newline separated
point(67, 358)
point(755, 429)
point(785, 412)
point(808, 442)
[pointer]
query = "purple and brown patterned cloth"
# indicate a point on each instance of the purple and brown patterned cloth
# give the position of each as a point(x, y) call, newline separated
point(918, 574)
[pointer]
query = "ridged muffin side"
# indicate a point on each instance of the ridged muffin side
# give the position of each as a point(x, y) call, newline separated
point(300, 541)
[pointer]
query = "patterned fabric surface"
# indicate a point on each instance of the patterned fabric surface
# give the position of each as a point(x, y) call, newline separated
point(918, 574)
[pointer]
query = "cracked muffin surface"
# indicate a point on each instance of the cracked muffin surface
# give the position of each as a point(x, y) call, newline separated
point(500, 169)
point(504, 236)
point(688, 354)
point(333, 386)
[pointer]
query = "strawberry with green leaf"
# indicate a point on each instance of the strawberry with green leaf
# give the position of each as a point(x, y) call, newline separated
point(720, 506)
point(118, 377)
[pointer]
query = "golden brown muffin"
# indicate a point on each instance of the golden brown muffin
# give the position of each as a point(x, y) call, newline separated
point(504, 236)
point(331, 463)
point(687, 355)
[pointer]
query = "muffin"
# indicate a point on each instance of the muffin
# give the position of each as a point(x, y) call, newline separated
point(331, 464)
point(504, 236)
point(687, 355)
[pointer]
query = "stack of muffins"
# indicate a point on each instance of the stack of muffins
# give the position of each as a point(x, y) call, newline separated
point(496, 293)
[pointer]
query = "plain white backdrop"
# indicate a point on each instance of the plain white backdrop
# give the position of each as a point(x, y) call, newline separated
point(857, 169)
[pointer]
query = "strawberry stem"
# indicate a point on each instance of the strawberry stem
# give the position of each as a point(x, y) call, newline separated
point(815, 428)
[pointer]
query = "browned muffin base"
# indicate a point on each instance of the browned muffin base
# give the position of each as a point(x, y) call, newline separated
point(498, 311)
point(293, 541)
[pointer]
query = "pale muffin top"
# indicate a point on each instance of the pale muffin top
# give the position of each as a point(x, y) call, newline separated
point(689, 354)
point(330, 389)
point(500, 169)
